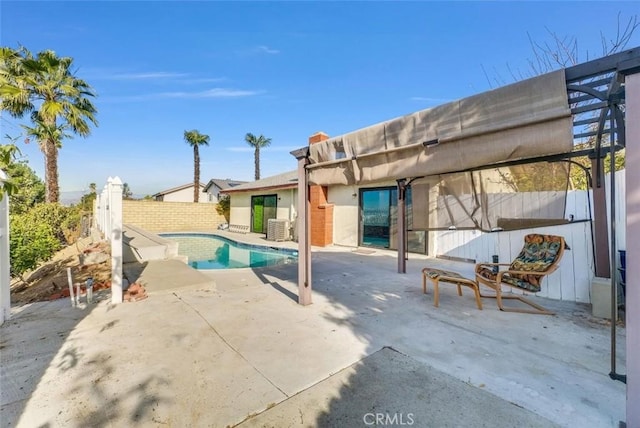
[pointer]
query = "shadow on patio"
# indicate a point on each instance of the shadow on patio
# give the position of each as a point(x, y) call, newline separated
point(554, 366)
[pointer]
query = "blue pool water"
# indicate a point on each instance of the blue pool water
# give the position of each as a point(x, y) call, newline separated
point(207, 251)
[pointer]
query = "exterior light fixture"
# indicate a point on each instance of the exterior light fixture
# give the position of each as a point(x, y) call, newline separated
point(431, 143)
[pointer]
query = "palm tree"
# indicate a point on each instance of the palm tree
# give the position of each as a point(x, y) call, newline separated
point(257, 143)
point(196, 139)
point(58, 101)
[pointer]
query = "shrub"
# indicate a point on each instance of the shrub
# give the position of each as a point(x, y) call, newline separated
point(30, 243)
point(224, 207)
point(63, 220)
point(37, 234)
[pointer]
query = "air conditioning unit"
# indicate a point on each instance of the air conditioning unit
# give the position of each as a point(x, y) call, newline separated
point(277, 229)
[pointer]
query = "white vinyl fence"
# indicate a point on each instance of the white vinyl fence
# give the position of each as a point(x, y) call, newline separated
point(108, 215)
point(572, 280)
point(5, 278)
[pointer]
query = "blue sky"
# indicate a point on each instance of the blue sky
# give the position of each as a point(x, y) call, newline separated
point(281, 69)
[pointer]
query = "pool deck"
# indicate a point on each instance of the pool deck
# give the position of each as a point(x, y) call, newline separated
point(238, 350)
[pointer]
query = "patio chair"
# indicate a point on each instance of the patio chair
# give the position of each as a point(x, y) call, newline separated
point(539, 257)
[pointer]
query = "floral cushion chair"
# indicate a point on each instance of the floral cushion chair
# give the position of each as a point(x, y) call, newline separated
point(539, 257)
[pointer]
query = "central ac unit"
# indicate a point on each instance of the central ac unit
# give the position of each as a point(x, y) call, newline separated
point(277, 229)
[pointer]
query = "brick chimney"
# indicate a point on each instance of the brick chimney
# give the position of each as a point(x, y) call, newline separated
point(318, 137)
point(321, 211)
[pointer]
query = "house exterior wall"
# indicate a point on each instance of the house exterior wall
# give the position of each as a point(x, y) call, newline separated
point(345, 214)
point(240, 212)
point(240, 209)
point(171, 216)
point(185, 195)
point(212, 195)
point(346, 211)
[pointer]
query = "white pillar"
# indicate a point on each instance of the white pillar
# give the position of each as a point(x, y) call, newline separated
point(632, 173)
point(5, 279)
point(115, 234)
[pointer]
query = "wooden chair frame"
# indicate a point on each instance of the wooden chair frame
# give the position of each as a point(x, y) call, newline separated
point(452, 279)
point(496, 285)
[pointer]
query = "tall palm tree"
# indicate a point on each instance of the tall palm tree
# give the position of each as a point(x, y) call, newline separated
point(257, 143)
point(58, 101)
point(196, 139)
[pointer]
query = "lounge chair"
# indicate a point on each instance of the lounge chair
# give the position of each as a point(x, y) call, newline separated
point(539, 257)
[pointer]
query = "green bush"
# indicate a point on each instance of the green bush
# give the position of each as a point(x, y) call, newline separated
point(224, 207)
point(37, 234)
point(30, 243)
point(63, 220)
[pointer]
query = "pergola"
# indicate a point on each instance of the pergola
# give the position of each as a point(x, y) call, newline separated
point(539, 119)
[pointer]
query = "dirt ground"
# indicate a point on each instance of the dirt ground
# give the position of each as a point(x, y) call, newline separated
point(49, 281)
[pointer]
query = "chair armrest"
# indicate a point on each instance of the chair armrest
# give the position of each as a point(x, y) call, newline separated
point(479, 265)
point(524, 272)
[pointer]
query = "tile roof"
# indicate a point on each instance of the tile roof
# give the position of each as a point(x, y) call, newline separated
point(175, 189)
point(223, 183)
point(286, 180)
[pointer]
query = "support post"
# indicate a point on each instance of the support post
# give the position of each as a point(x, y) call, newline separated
point(600, 224)
point(632, 198)
point(115, 234)
point(304, 245)
point(401, 226)
point(5, 278)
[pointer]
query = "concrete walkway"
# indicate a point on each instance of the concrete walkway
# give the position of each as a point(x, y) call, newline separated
point(244, 352)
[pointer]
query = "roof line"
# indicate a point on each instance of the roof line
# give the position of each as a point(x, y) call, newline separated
point(274, 187)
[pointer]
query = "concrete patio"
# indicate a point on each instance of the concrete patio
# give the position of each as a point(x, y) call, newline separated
point(240, 351)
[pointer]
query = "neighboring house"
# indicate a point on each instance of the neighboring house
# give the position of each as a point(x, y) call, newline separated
point(215, 185)
point(182, 193)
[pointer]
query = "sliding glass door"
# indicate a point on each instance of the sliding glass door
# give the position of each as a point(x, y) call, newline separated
point(262, 209)
point(379, 219)
point(377, 210)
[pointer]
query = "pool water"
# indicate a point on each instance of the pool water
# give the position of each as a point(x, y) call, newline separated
point(206, 251)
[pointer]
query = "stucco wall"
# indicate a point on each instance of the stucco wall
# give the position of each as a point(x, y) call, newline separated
point(346, 211)
point(345, 214)
point(185, 195)
point(241, 205)
point(240, 212)
point(171, 216)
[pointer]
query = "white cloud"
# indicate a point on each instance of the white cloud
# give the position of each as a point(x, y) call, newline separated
point(267, 50)
point(151, 75)
point(210, 93)
point(204, 80)
point(184, 78)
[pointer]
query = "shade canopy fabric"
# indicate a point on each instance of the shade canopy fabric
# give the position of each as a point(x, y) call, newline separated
point(507, 198)
point(524, 120)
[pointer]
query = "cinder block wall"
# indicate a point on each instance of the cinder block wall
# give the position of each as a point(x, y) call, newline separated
point(171, 216)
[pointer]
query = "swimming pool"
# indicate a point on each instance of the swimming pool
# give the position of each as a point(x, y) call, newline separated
point(208, 251)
